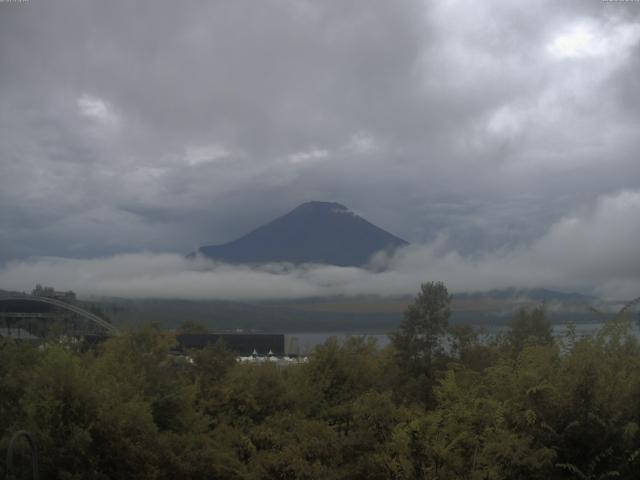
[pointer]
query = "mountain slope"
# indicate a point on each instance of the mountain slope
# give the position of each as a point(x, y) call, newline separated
point(314, 232)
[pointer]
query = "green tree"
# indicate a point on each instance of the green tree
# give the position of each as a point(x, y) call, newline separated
point(467, 348)
point(417, 340)
point(190, 326)
point(292, 447)
point(335, 375)
point(88, 426)
point(210, 366)
point(529, 327)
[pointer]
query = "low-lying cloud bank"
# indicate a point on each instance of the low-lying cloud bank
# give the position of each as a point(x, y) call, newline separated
point(596, 251)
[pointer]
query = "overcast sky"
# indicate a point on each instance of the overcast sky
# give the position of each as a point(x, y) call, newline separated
point(480, 130)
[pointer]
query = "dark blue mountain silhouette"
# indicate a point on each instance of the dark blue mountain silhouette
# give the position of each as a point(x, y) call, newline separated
point(314, 232)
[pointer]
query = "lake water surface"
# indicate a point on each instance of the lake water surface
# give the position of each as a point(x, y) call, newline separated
point(308, 341)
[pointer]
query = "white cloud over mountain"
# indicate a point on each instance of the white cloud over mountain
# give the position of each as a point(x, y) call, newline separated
point(595, 252)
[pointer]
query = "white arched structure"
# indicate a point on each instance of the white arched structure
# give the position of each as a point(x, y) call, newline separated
point(67, 306)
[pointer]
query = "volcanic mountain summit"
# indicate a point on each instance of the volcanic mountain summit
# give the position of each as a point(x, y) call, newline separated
point(314, 232)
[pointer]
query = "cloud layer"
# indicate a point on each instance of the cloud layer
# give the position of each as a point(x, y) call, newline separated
point(161, 126)
point(596, 253)
point(499, 138)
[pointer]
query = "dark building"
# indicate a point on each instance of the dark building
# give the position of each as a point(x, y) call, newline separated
point(243, 344)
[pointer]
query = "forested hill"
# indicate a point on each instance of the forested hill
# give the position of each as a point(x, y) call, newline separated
point(314, 232)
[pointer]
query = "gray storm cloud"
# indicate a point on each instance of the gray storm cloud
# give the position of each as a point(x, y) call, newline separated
point(595, 253)
point(478, 129)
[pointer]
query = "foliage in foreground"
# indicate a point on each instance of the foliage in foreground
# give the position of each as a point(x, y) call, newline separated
point(519, 406)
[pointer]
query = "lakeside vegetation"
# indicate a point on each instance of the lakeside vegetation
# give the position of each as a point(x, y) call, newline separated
point(523, 405)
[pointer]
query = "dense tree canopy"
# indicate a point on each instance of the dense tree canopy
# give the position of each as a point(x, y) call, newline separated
point(521, 405)
point(418, 342)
